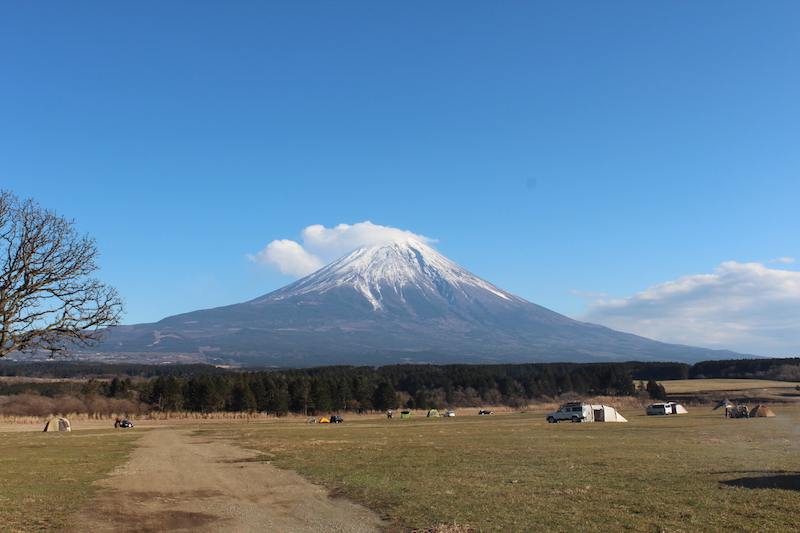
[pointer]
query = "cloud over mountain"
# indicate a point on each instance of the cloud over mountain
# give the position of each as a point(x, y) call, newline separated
point(321, 245)
point(388, 303)
point(746, 307)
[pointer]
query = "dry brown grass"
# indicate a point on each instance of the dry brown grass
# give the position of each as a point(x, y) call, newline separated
point(703, 392)
point(11, 380)
point(22, 405)
point(709, 385)
point(446, 528)
point(44, 478)
point(515, 473)
point(618, 402)
point(34, 409)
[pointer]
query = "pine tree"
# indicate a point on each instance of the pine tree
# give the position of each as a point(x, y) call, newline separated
point(385, 397)
point(656, 390)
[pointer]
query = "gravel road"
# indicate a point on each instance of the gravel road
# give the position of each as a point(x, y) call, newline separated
point(175, 482)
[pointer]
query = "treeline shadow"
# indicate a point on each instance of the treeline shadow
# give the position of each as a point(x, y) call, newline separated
point(779, 479)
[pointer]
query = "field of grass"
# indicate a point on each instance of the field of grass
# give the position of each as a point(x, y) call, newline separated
point(45, 476)
point(740, 391)
point(509, 473)
point(516, 473)
point(679, 386)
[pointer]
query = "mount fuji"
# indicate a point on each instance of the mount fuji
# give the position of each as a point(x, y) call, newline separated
point(399, 302)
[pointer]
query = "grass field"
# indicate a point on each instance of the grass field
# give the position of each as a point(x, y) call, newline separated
point(740, 391)
point(516, 473)
point(710, 385)
point(45, 476)
point(507, 473)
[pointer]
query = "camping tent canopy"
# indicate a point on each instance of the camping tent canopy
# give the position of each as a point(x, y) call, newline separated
point(761, 410)
point(606, 413)
point(678, 409)
point(724, 404)
point(58, 424)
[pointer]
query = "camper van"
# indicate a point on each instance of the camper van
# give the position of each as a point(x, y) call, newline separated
point(659, 409)
point(666, 408)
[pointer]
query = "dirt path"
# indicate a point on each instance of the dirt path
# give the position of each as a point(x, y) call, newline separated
point(178, 482)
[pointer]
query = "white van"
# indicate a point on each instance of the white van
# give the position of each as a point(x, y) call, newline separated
point(666, 408)
point(659, 409)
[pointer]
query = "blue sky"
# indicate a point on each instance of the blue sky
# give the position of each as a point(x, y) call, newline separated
point(635, 164)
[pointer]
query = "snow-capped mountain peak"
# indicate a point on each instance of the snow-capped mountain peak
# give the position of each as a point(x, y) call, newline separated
point(395, 302)
point(389, 271)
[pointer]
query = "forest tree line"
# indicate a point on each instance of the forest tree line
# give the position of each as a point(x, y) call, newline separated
point(204, 388)
point(343, 388)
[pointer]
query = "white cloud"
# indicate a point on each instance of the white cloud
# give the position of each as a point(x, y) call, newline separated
point(323, 245)
point(288, 257)
point(581, 294)
point(744, 307)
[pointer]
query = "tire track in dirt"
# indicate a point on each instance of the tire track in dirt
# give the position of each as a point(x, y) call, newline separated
point(175, 482)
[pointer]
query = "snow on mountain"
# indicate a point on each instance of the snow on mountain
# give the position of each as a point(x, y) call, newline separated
point(391, 303)
point(389, 271)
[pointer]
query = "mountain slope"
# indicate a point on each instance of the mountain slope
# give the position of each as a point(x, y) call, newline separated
point(391, 303)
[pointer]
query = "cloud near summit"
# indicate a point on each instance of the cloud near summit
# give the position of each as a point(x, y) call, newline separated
point(744, 307)
point(321, 245)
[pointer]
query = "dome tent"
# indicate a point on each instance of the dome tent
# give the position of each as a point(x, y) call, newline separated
point(58, 424)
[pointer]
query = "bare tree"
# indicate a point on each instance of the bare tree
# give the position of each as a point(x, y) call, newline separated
point(48, 299)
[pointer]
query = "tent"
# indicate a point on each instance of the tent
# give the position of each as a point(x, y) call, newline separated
point(405, 414)
point(58, 424)
point(678, 409)
point(725, 403)
point(324, 421)
point(433, 413)
point(761, 410)
point(606, 413)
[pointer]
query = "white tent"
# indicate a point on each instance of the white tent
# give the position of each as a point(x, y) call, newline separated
point(606, 413)
point(723, 404)
point(58, 424)
point(678, 409)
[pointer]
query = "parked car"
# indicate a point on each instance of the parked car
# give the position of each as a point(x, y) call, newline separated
point(574, 411)
point(659, 409)
point(739, 412)
point(583, 412)
point(336, 419)
point(484, 412)
point(122, 424)
point(449, 413)
point(665, 408)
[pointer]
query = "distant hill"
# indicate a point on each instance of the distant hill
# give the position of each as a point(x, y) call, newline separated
point(394, 303)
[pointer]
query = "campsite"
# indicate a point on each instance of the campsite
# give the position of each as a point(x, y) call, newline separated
point(511, 472)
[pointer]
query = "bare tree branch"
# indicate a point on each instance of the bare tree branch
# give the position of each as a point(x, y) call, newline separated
point(48, 299)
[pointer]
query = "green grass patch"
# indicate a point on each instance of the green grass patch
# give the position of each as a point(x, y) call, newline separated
point(44, 477)
point(516, 473)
